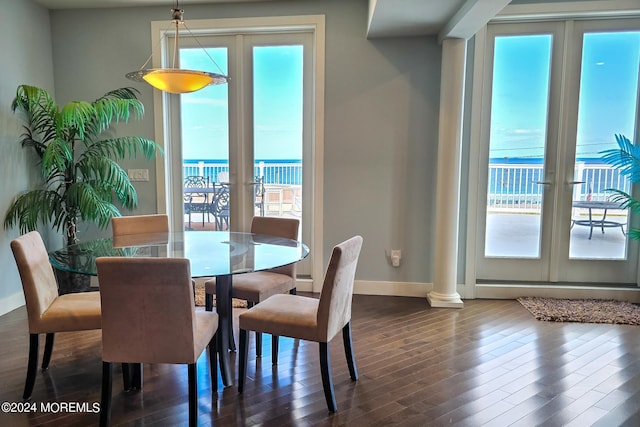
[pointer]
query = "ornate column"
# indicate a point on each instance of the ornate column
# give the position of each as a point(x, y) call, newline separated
point(444, 292)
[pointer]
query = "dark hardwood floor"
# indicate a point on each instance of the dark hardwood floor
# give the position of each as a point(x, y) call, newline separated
point(490, 363)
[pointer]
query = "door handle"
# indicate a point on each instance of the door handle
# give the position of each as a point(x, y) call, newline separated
point(543, 182)
point(576, 182)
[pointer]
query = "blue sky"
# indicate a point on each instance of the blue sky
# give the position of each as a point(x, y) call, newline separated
point(608, 96)
point(608, 93)
point(277, 105)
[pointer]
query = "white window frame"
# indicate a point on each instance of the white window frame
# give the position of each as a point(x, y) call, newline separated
point(538, 12)
point(169, 188)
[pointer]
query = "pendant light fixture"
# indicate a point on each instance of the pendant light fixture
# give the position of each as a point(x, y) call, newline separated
point(177, 80)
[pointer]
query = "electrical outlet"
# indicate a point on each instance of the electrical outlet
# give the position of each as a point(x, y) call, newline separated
point(138, 174)
point(395, 256)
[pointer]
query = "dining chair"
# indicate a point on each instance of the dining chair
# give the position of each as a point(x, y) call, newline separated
point(149, 316)
point(47, 311)
point(311, 319)
point(195, 200)
point(258, 286)
point(135, 230)
point(219, 206)
point(258, 194)
point(140, 224)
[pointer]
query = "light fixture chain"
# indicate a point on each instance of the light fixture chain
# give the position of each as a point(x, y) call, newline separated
point(202, 47)
point(176, 80)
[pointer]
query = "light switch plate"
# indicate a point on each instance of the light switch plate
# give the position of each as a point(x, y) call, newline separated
point(138, 174)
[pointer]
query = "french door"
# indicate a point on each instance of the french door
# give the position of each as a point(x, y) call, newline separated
point(556, 93)
point(257, 136)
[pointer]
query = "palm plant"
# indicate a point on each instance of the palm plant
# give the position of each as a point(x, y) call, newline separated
point(626, 159)
point(78, 160)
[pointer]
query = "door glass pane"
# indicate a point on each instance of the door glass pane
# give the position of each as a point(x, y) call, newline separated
point(205, 143)
point(607, 106)
point(277, 126)
point(517, 145)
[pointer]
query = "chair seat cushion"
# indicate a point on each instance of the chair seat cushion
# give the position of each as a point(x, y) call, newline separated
point(70, 312)
point(206, 327)
point(284, 315)
point(257, 286)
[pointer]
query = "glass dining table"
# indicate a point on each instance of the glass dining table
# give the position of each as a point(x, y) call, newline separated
point(219, 254)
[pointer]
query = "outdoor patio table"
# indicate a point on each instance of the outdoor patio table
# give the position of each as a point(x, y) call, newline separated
point(601, 222)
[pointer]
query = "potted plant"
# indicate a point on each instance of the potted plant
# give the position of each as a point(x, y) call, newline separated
point(626, 159)
point(78, 159)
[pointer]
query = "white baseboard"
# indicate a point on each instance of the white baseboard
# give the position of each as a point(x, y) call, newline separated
point(490, 291)
point(398, 289)
point(503, 291)
point(11, 302)
point(367, 287)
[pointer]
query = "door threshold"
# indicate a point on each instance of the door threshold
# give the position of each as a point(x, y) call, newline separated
point(513, 290)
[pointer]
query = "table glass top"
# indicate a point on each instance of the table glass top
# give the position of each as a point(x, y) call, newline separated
point(211, 253)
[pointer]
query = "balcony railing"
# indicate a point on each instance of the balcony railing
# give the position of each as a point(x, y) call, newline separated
point(274, 172)
point(282, 182)
point(520, 186)
point(511, 185)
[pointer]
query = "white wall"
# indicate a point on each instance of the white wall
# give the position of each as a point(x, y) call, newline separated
point(25, 40)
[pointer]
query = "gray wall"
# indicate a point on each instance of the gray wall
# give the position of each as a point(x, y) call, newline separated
point(382, 101)
point(25, 40)
point(381, 115)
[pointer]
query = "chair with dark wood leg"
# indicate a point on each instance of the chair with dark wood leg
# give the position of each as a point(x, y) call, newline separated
point(47, 311)
point(311, 319)
point(258, 286)
point(149, 316)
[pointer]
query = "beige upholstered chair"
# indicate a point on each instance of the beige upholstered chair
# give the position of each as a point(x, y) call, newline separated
point(135, 230)
point(47, 311)
point(139, 230)
point(149, 316)
point(309, 318)
point(260, 285)
point(140, 224)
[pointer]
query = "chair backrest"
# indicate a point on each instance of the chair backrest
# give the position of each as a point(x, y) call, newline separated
point(148, 310)
point(38, 280)
point(334, 308)
point(196, 181)
point(223, 177)
point(220, 200)
point(139, 224)
point(258, 194)
point(279, 227)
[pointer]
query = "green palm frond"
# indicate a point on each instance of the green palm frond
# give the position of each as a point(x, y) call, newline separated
point(91, 206)
point(81, 176)
point(625, 158)
point(110, 110)
point(124, 147)
point(35, 101)
point(633, 234)
point(122, 93)
point(625, 200)
point(76, 116)
point(107, 175)
point(56, 157)
point(117, 106)
point(28, 140)
point(34, 208)
point(40, 112)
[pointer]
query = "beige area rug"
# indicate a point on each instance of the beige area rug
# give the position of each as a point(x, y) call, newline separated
point(236, 303)
point(582, 310)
